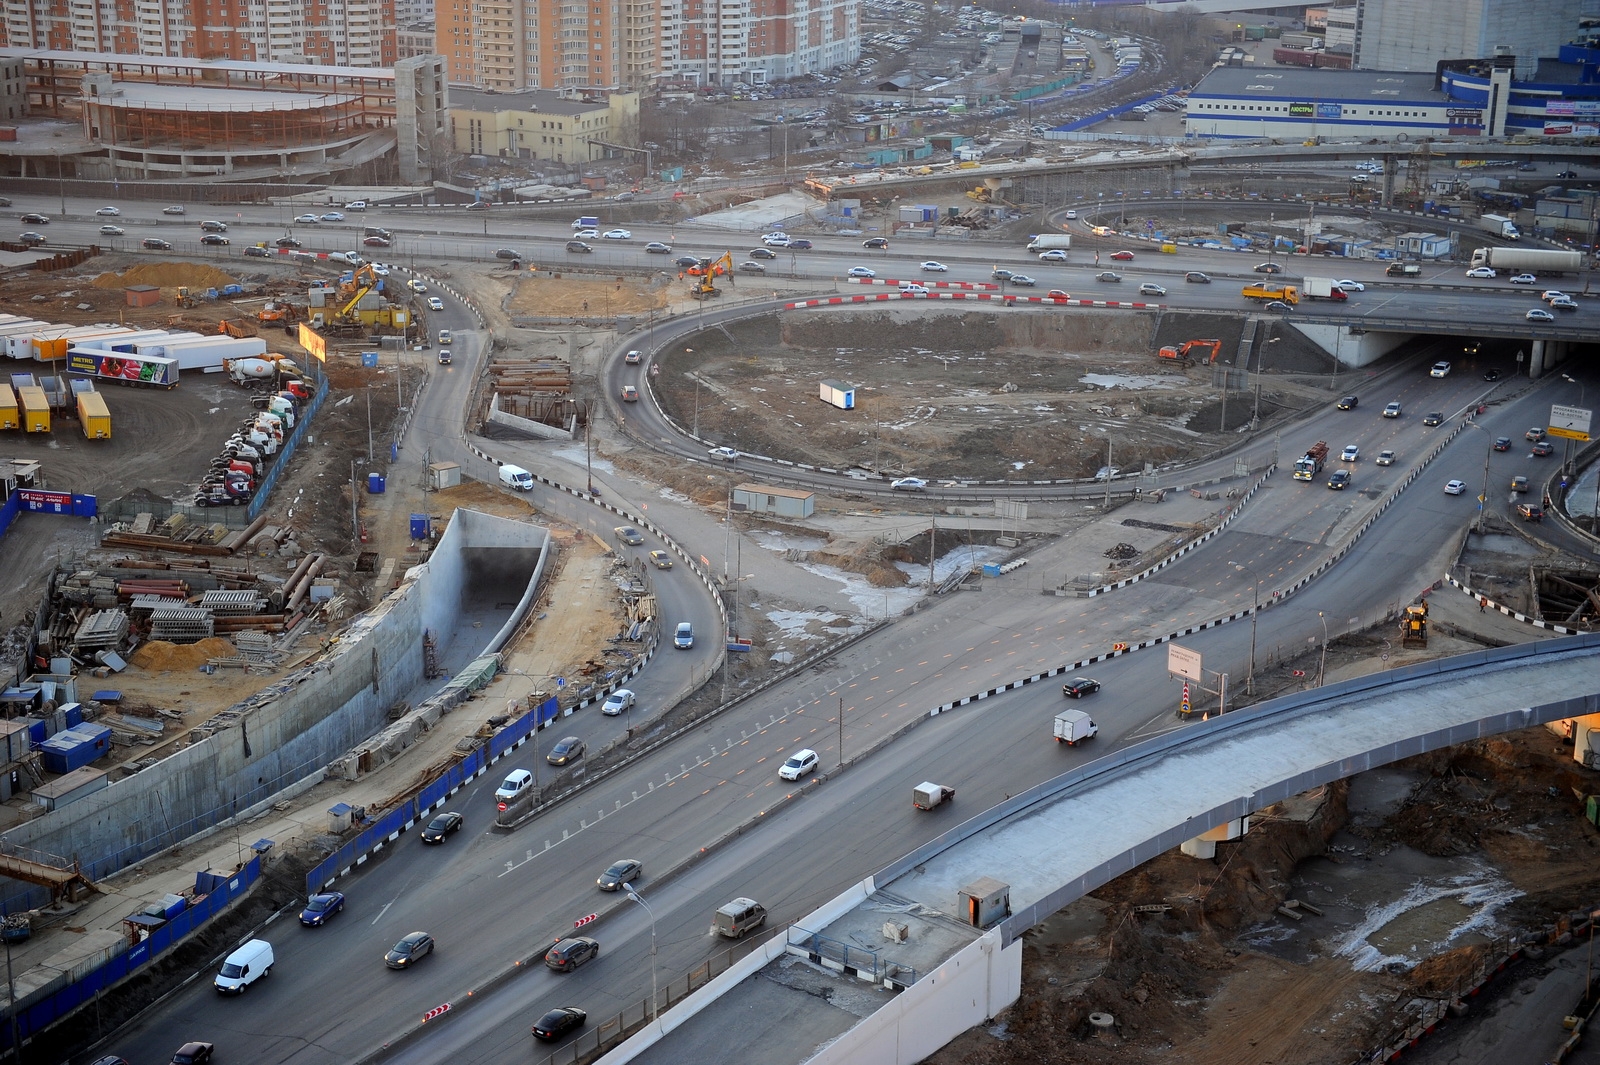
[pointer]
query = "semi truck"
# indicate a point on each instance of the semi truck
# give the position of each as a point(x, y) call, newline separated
point(1529, 260)
point(126, 369)
point(1322, 288)
point(1307, 466)
point(1501, 226)
point(1047, 241)
point(1258, 291)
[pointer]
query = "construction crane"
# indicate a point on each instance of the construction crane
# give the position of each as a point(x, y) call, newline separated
point(1184, 352)
point(702, 288)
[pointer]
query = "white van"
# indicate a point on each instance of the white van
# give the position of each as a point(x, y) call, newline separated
point(516, 477)
point(244, 967)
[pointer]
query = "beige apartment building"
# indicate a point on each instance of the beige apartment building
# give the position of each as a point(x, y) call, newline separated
point(542, 124)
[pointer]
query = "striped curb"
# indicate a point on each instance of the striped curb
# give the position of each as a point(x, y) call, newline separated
point(1508, 612)
point(1237, 509)
point(968, 285)
point(992, 297)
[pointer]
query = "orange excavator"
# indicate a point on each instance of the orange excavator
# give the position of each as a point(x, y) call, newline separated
point(702, 288)
point(279, 311)
point(1186, 352)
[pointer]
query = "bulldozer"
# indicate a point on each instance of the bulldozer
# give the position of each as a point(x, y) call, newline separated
point(186, 298)
point(1189, 350)
point(1414, 625)
point(702, 288)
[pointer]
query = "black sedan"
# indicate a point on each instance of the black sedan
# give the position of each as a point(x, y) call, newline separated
point(195, 1053)
point(35, 219)
point(1491, 374)
point(1078, 687)
point(881, 243)
point(320, 907)
point(763, 253)
point(1502, 443)
point(1349, 403)
point(568, 954)
point(568, 749)
point(558, 1022)
point(686, 261)
point(622, 871)
point(442, 826)
point(1433, 417)
point(287, 242)
point(410, 950)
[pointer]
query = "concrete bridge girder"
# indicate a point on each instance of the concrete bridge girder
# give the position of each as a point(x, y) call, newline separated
point(1351, 347)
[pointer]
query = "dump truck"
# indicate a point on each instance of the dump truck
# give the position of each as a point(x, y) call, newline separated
point(1259, 291)
point(94, 416)
point(1190, 349)
point(1307, 466)
point(1414, 625)
point(927, 795)
point(1322, 288)
point(1073, 727)
point(1544, 261)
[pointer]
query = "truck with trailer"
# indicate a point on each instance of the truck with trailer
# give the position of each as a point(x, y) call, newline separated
point(1543, 261)
point(1047, 241)
point(1258, 290)
point(927, 795)
point(1322, 288)
point(1501, 226)
point(94, 416)
point(1072, 727)
point(127, 369)
point(1307, 466)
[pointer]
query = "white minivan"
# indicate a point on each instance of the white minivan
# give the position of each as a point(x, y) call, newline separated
point(244, 967)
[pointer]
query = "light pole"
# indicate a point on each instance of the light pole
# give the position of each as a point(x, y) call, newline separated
point(1255, 611)
point(655, 994)
point(1566, 460)
point(1322, 667)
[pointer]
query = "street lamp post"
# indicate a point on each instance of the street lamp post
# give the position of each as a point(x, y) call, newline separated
point(655, 993)
point(1255, 612)
point(1566, 460)
point(1322, 667)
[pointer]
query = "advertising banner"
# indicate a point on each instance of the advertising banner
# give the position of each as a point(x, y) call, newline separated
point(125, 367)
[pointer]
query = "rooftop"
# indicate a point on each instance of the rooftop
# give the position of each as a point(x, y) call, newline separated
point(1357, 86)
point(544, 101)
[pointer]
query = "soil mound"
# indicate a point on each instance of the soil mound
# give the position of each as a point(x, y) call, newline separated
point(167, 275)
point(161, 656)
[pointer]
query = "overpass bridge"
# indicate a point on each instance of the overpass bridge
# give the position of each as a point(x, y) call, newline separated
point(943, 972)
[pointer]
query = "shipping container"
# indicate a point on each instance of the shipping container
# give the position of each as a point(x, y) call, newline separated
point(9, 418)
point(209, 352)
point(35, 409)
point(94, 416)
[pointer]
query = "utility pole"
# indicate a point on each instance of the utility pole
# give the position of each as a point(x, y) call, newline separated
point(841, 730)
point(933, 531)
point(1107, 505)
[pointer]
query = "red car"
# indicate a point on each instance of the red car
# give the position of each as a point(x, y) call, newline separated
point(1122, 256)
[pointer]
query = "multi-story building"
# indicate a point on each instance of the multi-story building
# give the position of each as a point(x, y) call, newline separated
point(350, 33)
point(1418, 34)
point(542, 124)
point(413, 40)
point(548, 44)
point(725, 41)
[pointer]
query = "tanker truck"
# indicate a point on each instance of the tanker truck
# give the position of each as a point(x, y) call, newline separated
point(1545, 262)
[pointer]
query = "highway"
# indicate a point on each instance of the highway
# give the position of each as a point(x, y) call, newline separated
point(494, 899)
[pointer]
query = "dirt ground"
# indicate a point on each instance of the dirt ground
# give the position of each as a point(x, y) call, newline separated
point(554, 295)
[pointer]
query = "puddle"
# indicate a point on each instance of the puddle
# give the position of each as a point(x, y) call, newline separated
point(1134, 381)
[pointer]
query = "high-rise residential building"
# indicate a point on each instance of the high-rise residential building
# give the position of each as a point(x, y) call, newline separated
point(548, 44)
point(349, 33)
point(725, 41)
point(1418, 34)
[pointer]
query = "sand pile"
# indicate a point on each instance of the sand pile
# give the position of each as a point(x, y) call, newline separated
point(159, 656)
point(167, 275)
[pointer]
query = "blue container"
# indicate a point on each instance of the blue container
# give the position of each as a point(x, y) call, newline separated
point(419, 526)
point(73, 713)
point(36, 729)
point(375, 483)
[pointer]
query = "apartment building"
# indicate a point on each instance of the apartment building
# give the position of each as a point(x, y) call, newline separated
point(542, 124)
point(726, 41)
point(547, 44)
point(347, 33)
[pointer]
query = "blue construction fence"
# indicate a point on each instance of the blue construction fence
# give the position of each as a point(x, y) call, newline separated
point(388, 827)
point(58, 999)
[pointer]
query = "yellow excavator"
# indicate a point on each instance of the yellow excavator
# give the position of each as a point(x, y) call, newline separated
point(702, 288)
point(360, 283)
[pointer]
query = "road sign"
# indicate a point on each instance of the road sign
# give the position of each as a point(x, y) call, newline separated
point(1569, 423)
point(1118, 648)
point(580, 922)
point(1184, 706)
point(1184, 662)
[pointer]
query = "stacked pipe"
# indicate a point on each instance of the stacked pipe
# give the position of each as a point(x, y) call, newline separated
point(299, 585)
point(166, 587)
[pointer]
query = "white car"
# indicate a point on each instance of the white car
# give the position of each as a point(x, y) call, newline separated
point(1392, 410)
point(1386, 458)
point(911, 288)
point(1552, 294)
point(909, 484)
point(516, 782)
point(586, 234)
point(381, 269)
point(1524, 279)
point(863, 271)
point(111, 231)
point(1054, 255)
point(617, 234)
point(307, 219)
point(1455, 488)
point(1539, 314)
point(1482, 271)
point(109, 211)
point(775, 240)
point(1440, 369)
point(1563, 303)
point(934, 267)
point(416, 286)
point(1350, 454)
point(1072, 215)
point(356, 205)
point(617, 702)
point(333, 216)
point(435, 303)
point(1150, 288)
point(799, 764)
point(726, 454)
point(1351, 286)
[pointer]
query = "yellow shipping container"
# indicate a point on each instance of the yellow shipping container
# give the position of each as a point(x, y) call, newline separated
point(1169, 249)
point(8, 408)
point(35, 409)
point(94, 416)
